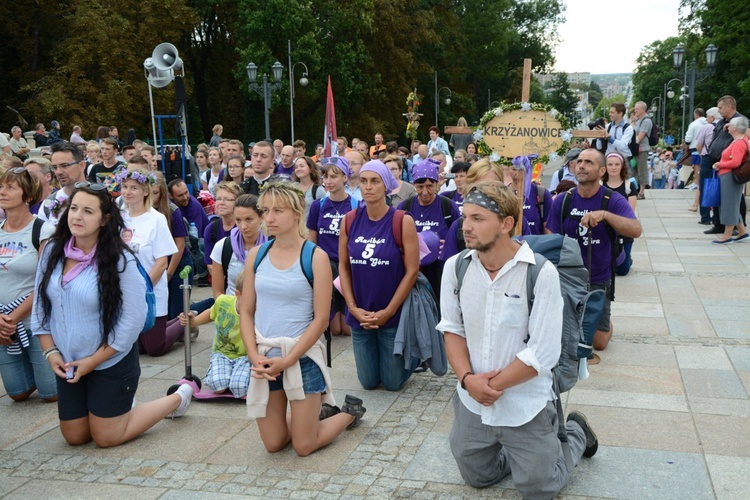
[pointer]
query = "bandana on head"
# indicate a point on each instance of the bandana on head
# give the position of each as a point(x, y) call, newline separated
point(477, 197)
point(426, 169)
point(384, 172)
point(339, 162)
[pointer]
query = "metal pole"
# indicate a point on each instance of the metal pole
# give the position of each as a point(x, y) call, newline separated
point(437, 107)
point(692, 89)
point(267, 104)
point(684, 82)
point(291, 87)
point(151, 100)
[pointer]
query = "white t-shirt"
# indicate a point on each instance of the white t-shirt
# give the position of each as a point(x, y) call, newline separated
point(60, 196)
point(212, 181)
point(149, 238)
point(235, 266)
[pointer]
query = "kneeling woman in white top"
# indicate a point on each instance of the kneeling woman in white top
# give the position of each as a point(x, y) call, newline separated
point(89, 308)
point(282, 321)
point(147, 234)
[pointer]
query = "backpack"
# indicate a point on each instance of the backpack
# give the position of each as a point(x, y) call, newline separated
point(305, 261)
point(741, 174)
point(445, 207)
point(36, 233)
point(633, 144)
point(352, 200)
point(582, 310)
point(172, 209)
point(397, 225)
point(150, 298)
point(615, 241)
point(653, 137)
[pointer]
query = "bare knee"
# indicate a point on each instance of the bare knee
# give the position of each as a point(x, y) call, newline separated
point(23, 396)
point(274, 447)
point(74, 438)
point(305, 449)
point(51, 399)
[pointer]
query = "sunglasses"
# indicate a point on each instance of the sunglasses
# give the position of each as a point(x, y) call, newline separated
point(94, 186)
point(18, 170)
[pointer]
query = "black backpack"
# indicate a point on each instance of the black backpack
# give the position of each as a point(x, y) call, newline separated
point(172, 208)
point(653, 137)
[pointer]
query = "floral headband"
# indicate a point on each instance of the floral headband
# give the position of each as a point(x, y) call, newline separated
point(137, 176)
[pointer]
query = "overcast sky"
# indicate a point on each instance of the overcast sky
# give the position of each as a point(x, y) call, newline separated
point(607, 36)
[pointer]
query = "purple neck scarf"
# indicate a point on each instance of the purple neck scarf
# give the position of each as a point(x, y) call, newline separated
point(238, 244)
point(84, 260)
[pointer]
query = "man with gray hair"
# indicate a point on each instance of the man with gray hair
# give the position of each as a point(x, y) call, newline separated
point(720, 140)
point(702, 142)
point(18, 144)
point(643, 125)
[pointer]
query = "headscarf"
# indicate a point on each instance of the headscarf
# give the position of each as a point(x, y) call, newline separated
point(384, 172)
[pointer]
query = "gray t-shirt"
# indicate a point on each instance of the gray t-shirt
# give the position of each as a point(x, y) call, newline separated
point(18, 261)
point(644, 125)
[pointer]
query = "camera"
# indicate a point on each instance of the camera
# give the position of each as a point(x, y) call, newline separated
point(598, 123)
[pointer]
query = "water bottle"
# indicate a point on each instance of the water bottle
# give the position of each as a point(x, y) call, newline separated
point(193, 231)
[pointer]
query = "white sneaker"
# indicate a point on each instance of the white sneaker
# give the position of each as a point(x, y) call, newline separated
point(186, 393)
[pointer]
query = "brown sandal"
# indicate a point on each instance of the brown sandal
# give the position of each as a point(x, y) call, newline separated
point(594, 359)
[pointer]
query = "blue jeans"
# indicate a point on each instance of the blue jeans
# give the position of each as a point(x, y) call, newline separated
point(376, 363)
point(624, 268)
point(201, 306)
point(29, 369)
point(175, 292)
point(660, 183)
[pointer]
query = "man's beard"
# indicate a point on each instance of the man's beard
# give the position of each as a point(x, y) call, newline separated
point(483, 247)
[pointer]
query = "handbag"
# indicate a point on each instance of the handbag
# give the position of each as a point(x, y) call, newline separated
point(711, 191)
point(741, 174)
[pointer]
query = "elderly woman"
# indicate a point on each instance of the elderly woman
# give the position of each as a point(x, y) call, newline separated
point(731, 192)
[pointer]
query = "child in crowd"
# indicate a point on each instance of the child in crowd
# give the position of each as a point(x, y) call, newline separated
point(674, 174)
point(229, 367)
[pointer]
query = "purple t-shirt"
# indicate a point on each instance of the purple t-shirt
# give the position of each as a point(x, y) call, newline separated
point(430, 217)
point(209, 241)
point(601, 251)
point(282, 170)
point(194, 212)
point(179, 230)
point(377, 266)
point(450, 247)
point(532, 221)
point(325, 218)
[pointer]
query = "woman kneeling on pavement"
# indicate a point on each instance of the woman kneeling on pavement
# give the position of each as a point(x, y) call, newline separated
point(376, 277)
point(89, 309)
point(282, 322)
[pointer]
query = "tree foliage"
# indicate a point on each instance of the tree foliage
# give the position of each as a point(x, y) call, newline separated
point(80, 62)
point(563, 98)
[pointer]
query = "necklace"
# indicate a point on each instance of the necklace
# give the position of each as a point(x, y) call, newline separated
point(339, 205)
point(492, 270)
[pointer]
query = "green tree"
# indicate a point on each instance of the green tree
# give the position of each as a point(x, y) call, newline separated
point(562, 98)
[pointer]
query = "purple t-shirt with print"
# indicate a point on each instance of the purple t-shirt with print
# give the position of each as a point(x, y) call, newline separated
point(601, 251)
point(194, 212)
point(282, 170)
point(450, 247)
point(325, 218)
point(377, 266)
point(532, 220)
point(430, 217)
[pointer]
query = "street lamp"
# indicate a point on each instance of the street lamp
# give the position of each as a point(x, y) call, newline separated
point(678, 56)
point(302, 81)
point(437, 98)
point(669, 93)
point(266, 89)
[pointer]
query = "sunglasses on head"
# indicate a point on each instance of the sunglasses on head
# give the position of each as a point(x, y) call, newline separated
point(18, 170)
point(94, 186)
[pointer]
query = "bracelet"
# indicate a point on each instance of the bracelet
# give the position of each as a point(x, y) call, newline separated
point(50, 349)
point(49, 352)
point(463, 385)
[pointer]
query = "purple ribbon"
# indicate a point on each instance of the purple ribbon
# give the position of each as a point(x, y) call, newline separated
point(523, 163)
point(84, 260)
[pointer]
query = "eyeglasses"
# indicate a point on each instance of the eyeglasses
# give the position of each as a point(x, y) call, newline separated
point(64, 165)
point(94, 186)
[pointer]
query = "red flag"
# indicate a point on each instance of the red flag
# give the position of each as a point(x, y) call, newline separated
point(330, 146)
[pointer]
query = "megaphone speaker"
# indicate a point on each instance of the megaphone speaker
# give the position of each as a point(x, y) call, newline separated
point(166, 57)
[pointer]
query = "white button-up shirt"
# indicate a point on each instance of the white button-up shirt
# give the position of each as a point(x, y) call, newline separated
point(493, 317)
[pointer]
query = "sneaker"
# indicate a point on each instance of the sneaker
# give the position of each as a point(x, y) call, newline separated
point(186, 394)
point(327, 411)
point(353, 406)
point(592, 443)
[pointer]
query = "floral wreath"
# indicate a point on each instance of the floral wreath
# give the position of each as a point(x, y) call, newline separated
point(412, 106)
point(485, 150)
point(136, 176)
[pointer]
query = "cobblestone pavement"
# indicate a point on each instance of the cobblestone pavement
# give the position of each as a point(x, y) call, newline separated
point(669, 403)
